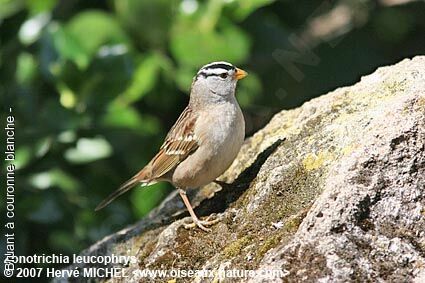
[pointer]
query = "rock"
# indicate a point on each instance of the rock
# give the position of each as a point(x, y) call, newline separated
point(332, 191)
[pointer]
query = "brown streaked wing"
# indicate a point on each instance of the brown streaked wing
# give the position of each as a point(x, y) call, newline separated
point(179, 143)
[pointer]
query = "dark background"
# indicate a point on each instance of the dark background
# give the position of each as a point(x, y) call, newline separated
point(95, 85)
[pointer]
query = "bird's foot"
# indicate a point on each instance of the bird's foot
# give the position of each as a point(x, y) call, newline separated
point(202, 224)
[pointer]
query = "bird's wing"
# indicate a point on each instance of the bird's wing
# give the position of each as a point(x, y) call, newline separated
point(178, 145)
point(180, 142)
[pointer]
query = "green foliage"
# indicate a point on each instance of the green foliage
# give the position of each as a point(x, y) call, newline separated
point(95, 85)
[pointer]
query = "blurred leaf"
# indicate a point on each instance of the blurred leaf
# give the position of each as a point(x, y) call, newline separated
point(146, 198)
point(26, 69)
point(68, 47)
point(67, 137)
point(92, 29)
point(112, 50)
point(39, 6)
point(42, 146)
point(189, 7)
point(144, 79)
point(184, 77)
point(30, 30)
point(68, 98)
point(25, 153)
point(10, 7)
point(154, 16)
point(23, 156)
point(193, 47)
point(54, 177)
point(88, 150)
point(41, 180)
point(120, 116)
point(105, 79)
point(245, 7)
point(210, 14)
point(81, 38)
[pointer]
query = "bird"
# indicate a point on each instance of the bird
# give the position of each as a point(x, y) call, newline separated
point(202, 143)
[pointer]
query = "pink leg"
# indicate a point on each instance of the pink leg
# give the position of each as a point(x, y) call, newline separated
point(195, 219)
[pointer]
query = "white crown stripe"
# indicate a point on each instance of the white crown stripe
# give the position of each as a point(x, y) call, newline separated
point(216, 71)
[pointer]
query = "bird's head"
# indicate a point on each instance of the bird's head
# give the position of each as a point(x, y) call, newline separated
point(217, 81)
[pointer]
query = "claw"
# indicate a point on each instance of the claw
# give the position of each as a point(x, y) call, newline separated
point(196, 222)
point(202, 223)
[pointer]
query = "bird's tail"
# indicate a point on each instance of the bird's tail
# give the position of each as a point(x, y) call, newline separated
point(124, 188)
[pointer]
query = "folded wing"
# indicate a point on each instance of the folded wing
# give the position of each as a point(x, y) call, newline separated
point(180, 142)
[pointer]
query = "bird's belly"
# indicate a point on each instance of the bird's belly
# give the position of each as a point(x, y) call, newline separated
point(212, 158)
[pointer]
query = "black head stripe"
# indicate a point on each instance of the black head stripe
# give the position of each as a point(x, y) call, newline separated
point(221, 66)
point(204, 74)
point(214, 69)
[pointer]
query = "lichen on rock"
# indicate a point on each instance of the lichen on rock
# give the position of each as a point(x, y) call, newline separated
point(333, 190)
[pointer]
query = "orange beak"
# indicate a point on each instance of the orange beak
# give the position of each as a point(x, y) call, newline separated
point(240, 74)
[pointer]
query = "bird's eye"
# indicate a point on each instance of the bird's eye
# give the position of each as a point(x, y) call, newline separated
point(223, 76)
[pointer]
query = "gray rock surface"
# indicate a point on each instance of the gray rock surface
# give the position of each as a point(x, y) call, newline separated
point(333, 191)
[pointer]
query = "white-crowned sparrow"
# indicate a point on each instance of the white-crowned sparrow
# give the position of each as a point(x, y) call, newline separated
point(203, 142)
